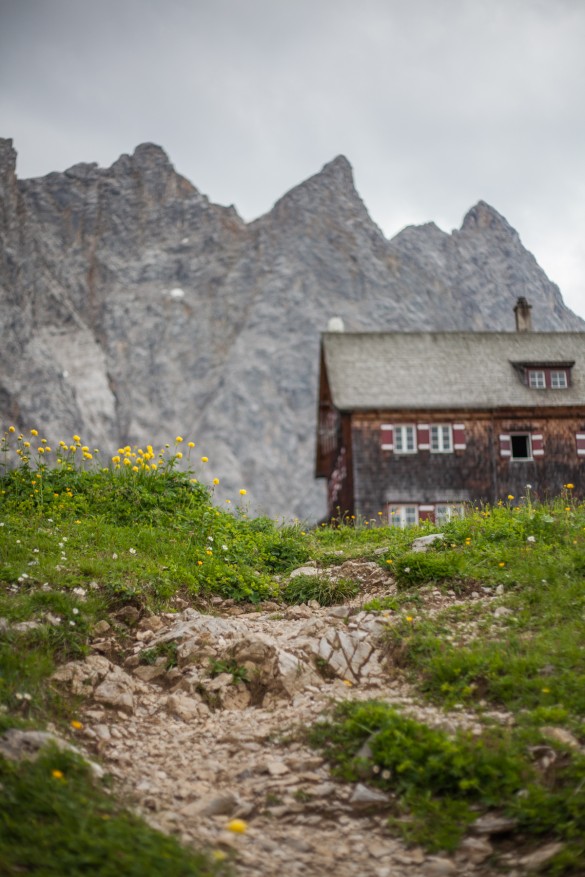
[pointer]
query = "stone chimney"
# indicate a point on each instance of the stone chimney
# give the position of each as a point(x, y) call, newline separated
point(522, 313)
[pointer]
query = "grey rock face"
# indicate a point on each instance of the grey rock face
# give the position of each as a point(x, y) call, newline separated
point(134, 310)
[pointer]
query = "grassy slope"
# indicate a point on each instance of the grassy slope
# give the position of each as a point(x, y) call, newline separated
point(77, 545)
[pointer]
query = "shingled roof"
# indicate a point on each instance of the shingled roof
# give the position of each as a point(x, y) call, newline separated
point(445, 370)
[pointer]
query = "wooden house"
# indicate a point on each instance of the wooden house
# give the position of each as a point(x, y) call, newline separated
point(416, 424)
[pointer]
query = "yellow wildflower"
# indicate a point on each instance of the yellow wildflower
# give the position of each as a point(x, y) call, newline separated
point(501, 563)
point(11, 429)
point(34, 432)
point(569, 486)
point(239, 826)
point(510, 496)
point(216, 480)
point(191, 445)
point(57, 774)
point(243, 492)
point(77, 725)
point(179, 455)
point(204, 459)
point(76, 438)
point(179, 439)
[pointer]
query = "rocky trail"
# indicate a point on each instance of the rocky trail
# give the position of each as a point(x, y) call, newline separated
point(197, 716)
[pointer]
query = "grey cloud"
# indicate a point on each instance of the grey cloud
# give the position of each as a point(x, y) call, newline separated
point(437, 103)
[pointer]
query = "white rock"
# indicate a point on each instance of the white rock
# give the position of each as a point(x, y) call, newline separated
point(423, 543)
point(184, 707)
point(540, 858)
point(362, 796)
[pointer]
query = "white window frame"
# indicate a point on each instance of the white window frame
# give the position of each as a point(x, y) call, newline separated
point(536, 379)
point(404, 515)
point(558, 379)
point(529, 446)
point(440, 446)
point(446, 511)
point(400, 433)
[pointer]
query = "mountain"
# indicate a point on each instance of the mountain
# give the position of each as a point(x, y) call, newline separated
point(134, 310)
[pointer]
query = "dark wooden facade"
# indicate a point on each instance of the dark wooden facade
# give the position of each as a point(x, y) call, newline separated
point(491, 454)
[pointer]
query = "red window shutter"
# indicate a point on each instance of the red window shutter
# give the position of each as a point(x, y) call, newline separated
point(537, 446)
point(423, 437)
point(387, 437)
point(505, 446)
point(459, 442)
point(581, 444)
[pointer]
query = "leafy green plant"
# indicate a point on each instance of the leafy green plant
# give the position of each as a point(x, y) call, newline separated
point(162, 650)
point(238, 672)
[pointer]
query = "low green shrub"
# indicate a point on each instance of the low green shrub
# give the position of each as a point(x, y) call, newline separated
point(324, 590)
point(55, 820)
point(438, 783)
point(425, 567)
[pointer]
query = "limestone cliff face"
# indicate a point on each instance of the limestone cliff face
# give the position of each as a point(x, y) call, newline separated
point(133, 309)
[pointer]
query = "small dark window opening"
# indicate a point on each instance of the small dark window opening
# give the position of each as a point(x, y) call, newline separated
point(520, 447)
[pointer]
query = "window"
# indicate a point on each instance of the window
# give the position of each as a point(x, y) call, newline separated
point(441, 439)
point(547, 378)
point(404, 440)
point(446, 512)
point(402, 515)
point(521, 446)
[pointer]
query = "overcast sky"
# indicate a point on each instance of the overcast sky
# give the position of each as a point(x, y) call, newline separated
point(436, 103)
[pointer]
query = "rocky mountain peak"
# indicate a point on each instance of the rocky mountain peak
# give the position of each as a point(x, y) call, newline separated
point(7, 156)
point(151, 154)
point(331, 192)
point(483, 217)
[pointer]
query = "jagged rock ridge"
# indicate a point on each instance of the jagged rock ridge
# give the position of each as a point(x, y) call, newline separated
point(134, 310)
